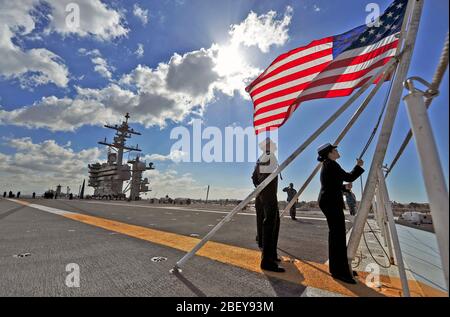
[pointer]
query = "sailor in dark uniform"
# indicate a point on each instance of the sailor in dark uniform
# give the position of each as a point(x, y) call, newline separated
point(331, 202)
point(291, 192)
point(268, 217)
point(259, 208)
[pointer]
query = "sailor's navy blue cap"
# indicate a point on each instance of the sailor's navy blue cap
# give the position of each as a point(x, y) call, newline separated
point(325, 148)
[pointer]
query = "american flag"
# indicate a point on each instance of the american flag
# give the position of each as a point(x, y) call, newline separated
point(327, 68)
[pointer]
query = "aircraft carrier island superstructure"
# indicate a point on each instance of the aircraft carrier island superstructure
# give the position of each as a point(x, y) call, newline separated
point(108, 178)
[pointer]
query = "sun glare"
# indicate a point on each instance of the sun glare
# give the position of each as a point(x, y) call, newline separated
point(230, 60)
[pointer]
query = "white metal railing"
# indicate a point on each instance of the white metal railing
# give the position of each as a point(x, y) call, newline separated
point(385, 200)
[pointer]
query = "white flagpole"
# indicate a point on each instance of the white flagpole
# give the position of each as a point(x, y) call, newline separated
point(391, 112)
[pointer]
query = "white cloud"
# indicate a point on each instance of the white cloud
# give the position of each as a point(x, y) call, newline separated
point(89, 107)
point(172, 183)
point(101, 67)
point(32, 67)
point(100, 64)
point(170, 92)
point(40, 166)
point(262, 31)
point(96, 19)
point(39, 66)
point(316, 8)
point(140, 50)
point(174, 156)
point(140, 13)
point(191, 73)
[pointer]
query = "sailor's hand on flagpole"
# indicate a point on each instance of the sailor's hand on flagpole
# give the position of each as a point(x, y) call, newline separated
point(359, 162)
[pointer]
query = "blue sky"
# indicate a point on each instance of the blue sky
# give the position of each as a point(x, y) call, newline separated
point(59, 85)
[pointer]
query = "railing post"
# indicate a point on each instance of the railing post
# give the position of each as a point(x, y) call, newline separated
point(432, 172)
point(397, 249)
point(384, 225)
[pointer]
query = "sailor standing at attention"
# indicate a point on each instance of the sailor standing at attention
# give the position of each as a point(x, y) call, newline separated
point(331, 202)
point(267, 204)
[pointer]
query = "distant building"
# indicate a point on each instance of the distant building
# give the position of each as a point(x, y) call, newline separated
point(417, 218)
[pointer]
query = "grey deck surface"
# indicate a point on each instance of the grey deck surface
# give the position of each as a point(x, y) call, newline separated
point(113, 264)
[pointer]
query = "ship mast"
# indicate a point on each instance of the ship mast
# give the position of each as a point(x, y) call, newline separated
point(123, 132)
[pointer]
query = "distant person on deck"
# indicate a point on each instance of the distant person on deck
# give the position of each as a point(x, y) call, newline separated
point(18, 194)
point(10, 194)
point(291, 192)
point(331, 202)
point(350, 198)
point(4, 195)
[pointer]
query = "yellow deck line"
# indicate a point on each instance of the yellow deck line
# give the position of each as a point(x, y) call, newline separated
point(306, 273)
point(20, 202)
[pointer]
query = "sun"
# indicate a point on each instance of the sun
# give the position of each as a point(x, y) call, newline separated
point(230, 60)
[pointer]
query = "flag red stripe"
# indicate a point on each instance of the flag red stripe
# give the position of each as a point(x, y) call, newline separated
point(333, 93)
point(319, 82)
point(362, 58)
point(292, 77)
point(275, 106)
point(325, 40)
point(295, 63)
point(350, 76)
point(331, 66)
point(286, 55)
point(317, 95)
point(271, 118)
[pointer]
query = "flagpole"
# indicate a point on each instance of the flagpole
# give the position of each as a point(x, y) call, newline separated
point(280, 168)
point(343, 133)
point(416, 7)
